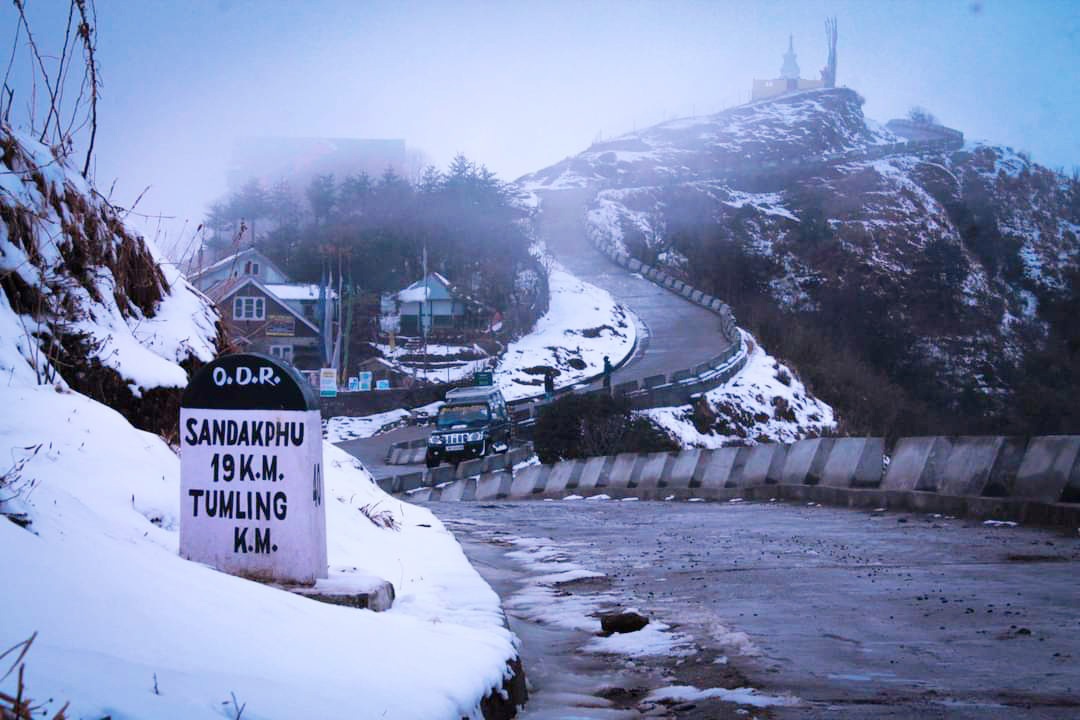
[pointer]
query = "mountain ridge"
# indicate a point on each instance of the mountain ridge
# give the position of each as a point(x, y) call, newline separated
point(933, 274)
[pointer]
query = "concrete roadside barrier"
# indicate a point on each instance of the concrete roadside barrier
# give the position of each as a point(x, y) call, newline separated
point(1049, 468)
point(764, 465)
point(494, 485)
point(559, 480)
point(594, 474)
point(622, 470)
point(914, 464)
point(683, 467)
point(649, 474)
point(981, 465)
point(529, 481)
point(805, 461)
point(518, 455)
point(469, 468)
point(495, 462)
point(453, 492)
point(724, 468)
point(440, 474)
point(854, 463)
point(409, 481)
point(654, 381)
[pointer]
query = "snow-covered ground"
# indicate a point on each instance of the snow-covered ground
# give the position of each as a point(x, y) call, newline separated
point(582, 325)
point(144, 350)
point(765, 402)
point(118, 613)
point(341, 428)
point(89, 516)
point(452, 369)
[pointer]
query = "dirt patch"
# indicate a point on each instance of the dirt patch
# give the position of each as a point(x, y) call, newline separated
point(541, 370)
point(596, 331)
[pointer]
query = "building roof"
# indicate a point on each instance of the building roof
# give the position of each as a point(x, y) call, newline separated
point(235, 257)
point(299, 291)
point(225, 289)
point(432, 287)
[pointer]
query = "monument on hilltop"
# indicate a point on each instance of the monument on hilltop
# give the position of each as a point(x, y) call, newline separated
point(790, 80)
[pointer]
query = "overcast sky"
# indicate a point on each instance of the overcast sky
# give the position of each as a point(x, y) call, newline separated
point(520, 85)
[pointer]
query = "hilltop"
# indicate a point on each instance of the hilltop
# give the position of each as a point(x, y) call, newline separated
point(917, 286)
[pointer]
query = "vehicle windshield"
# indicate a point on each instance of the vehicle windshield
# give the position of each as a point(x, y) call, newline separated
point(450, 415)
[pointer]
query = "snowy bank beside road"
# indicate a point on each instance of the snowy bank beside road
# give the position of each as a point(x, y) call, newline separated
point(127, 628)
point(582, 325)
point(764, 402)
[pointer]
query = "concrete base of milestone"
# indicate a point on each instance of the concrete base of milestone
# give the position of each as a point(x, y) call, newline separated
point(364, 593)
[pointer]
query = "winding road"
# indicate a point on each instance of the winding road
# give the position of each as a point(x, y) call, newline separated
point(673, 333)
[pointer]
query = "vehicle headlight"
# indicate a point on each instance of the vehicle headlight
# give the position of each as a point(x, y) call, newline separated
point(435, 440)
point(476, 436)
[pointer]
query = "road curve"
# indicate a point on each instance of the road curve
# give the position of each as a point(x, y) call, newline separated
point(681, 334)
point(678, 333)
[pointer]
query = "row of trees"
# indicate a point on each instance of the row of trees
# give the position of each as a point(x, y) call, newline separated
point(374, 233)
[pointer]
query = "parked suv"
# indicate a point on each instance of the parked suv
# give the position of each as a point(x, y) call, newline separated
point(472, 423)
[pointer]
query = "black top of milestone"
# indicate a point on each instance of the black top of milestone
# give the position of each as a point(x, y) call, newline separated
point(249, 381)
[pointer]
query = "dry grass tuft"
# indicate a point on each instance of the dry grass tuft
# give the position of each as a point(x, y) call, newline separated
point(381, 518)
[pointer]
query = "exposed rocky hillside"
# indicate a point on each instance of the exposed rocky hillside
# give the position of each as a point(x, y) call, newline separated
point(88, 305)
point(917, 288)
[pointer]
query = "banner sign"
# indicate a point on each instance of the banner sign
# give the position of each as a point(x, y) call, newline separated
point(328, 382)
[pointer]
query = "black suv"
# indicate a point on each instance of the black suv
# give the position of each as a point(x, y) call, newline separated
point(474, 422)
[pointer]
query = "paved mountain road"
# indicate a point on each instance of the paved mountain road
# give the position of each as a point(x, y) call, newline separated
point(861, 615)
point(678, 334)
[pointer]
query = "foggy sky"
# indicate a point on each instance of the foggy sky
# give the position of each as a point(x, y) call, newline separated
point(520, 85)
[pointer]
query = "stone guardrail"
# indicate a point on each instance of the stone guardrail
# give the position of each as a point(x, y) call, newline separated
point(1034, 480)
point(433, 477)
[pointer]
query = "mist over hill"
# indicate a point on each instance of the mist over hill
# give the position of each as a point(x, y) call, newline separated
point(918, 283)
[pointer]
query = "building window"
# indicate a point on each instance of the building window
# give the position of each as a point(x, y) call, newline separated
point(282, 352)
point(249, 308)
point(251, 268)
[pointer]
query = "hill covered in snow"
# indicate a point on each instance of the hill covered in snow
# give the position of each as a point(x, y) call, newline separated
point(87, 304)
point(916, 287)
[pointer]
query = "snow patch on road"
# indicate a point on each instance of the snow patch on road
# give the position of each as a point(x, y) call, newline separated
point(656, 638)
point(740, 696)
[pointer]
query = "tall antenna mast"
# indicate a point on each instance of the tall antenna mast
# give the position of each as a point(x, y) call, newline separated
point(830, 40)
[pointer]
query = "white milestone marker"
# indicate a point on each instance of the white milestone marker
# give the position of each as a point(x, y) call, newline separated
point(251, 488)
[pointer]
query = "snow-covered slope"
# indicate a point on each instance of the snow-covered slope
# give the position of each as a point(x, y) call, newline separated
point(127, 628)
point(803, 125)
point(945, 269)
point(86, 303)
point(583, 324)
point(765, 402)
point(89, 509)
